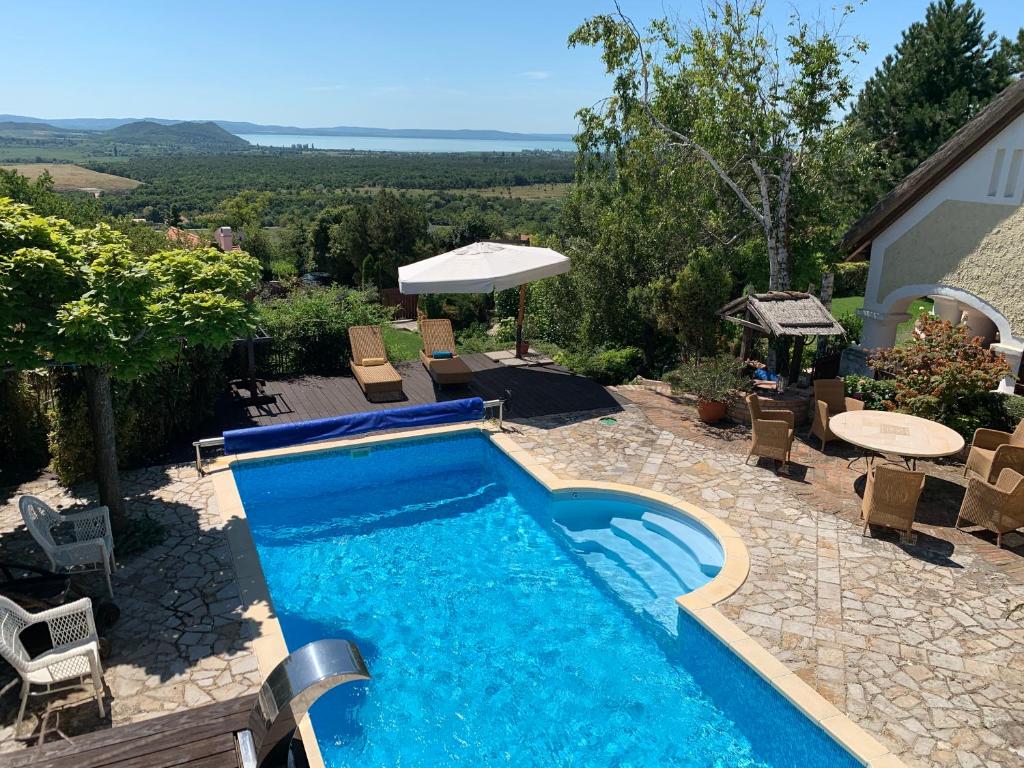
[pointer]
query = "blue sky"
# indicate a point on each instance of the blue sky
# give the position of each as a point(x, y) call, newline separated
point(382, 63)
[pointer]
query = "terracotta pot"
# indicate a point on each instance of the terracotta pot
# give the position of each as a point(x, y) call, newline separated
point(711, 411)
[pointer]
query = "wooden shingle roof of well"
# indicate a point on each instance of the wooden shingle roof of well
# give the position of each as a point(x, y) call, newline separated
point(782, 313)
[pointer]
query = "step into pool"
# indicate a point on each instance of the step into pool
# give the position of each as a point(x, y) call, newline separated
point(505, 624)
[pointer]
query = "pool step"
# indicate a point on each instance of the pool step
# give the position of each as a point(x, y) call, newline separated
point(677, 560)
point(706, 552)
point(631, 590)
point(638, 565)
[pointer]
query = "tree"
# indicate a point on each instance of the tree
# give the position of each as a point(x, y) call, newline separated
point(720, 94)
point(246, 209)
point(82, 297)
point(942, 73)
point(687, 305)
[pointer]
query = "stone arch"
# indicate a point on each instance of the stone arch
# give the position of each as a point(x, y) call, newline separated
point(880, 321)
point(898, 300)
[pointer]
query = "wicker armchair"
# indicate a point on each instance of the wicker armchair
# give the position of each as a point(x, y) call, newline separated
point(829, 399)
point(992, 451)
point(998, 506)
point(890, 498)
point(92, 547)
point(772, 431)
point(72, 662)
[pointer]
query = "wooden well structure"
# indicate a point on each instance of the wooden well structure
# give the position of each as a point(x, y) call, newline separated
point(783, 316)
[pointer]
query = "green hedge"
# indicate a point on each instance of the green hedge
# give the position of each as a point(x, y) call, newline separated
point(309, 328)
point(22, 426)
point(851, 278)
point(606, 366)
point(150, 413)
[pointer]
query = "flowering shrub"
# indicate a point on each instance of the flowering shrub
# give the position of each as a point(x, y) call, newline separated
point(945, 375)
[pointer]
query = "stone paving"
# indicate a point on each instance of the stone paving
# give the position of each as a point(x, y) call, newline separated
point(925, 652)
point(921, 645)
point(180, 641)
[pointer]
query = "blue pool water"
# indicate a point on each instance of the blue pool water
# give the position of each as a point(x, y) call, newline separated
point(504, 625)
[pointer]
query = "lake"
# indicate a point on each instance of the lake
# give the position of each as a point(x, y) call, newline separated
point(395, 144)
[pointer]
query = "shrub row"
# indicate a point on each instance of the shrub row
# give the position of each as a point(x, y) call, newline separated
point(309, 328)
point(605, 366)
point(150, 413)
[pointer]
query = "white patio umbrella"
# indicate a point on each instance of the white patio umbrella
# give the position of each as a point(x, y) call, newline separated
point(483, 268)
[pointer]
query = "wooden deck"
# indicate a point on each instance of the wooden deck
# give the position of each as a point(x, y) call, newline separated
point(200, 738)
point(528, 391)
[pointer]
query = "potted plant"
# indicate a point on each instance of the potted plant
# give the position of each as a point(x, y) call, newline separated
point(714, 381)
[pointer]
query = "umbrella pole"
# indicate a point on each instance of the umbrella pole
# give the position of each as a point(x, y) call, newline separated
point(519, 320)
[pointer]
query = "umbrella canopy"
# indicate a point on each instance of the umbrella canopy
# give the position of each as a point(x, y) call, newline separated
point(481, 268)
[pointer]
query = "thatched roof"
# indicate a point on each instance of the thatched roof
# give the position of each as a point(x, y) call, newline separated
point(782, 313)
point(999, 113)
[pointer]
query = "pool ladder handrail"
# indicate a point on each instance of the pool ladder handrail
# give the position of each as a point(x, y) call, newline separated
point(287, 694)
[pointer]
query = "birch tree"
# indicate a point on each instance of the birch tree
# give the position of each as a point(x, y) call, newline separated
point(724, 93)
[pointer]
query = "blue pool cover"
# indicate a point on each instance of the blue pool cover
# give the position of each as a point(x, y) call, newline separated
point(298, 433)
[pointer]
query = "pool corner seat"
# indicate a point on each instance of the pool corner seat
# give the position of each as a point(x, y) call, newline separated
point(379, 381)
point(438, 337)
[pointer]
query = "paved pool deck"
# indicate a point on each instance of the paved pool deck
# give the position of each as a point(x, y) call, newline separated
point(922, 646)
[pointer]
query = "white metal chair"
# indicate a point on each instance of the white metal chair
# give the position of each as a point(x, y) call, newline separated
point(93, 545)
point(75, 655)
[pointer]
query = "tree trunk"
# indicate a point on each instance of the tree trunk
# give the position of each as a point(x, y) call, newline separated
point(778, 262)
point(101, 416)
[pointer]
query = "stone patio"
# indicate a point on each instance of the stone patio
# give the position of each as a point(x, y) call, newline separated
point(180, 641)
point(924, 651)
point(921, 645)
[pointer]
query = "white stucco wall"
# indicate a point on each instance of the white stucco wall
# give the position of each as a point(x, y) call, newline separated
point(963, 240)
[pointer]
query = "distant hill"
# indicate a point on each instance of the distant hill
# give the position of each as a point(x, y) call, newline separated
point(193, 135)
point(87, 123)
point(233, 126)
point(32, 127)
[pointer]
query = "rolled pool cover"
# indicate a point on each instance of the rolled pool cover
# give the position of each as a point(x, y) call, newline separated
point(301, 432)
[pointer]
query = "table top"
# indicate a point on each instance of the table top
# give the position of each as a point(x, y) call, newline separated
point(896, 433)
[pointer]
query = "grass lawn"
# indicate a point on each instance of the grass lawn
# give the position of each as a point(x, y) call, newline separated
point(402, 345)
point(847, 306)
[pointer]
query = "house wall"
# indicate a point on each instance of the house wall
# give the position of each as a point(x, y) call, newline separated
point(964, 242)
point(976, 247)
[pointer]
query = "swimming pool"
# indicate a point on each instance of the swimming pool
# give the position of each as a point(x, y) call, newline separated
point(505, 624)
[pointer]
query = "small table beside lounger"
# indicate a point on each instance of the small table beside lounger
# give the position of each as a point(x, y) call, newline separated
point(898, 434)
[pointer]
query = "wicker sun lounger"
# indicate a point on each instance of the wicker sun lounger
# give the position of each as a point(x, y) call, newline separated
point(377, 377)
point(438, 337)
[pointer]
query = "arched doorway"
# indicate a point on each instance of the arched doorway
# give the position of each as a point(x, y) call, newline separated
point(953, 304)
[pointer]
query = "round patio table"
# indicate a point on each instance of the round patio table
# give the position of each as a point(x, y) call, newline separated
point(898, 434)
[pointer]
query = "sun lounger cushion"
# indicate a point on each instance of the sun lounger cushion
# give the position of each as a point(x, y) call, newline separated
point(374, 361)
point(440, 354)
